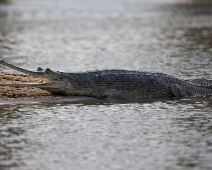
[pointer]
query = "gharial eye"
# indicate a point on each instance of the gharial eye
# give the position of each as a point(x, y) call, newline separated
point(47, 70)
point(39, 69)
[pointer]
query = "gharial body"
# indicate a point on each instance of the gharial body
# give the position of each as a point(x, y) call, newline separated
point(116, 84)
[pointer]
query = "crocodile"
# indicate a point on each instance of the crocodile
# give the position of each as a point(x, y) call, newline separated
point(115, 84)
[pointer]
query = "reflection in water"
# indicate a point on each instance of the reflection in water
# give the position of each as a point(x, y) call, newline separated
point(197, 145)
point(11, 141)
point(124, 134)
point(15, 121)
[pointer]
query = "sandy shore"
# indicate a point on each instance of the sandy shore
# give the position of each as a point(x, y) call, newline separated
point(22, 93)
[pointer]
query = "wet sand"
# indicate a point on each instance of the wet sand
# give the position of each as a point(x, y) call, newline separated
point(21, 93)
point(27, 95)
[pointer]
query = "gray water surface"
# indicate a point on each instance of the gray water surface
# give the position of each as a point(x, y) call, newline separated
point(173, 37)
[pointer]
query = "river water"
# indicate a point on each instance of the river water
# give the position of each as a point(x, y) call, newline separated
point(173, 37)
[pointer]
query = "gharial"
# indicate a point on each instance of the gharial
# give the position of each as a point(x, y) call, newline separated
point(116, 84)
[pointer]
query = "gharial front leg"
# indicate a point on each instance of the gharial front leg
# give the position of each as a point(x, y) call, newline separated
point(178, 91)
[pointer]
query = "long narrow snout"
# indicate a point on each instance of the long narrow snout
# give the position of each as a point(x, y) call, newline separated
point(49, 75)
point(38, 74)
point(53, 85)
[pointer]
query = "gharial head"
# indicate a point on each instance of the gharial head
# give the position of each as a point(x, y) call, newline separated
point(52, 81)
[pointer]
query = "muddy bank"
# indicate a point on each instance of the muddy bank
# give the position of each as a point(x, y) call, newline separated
point(21, 93)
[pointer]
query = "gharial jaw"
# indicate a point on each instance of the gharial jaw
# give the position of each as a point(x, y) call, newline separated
point(55, 84)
